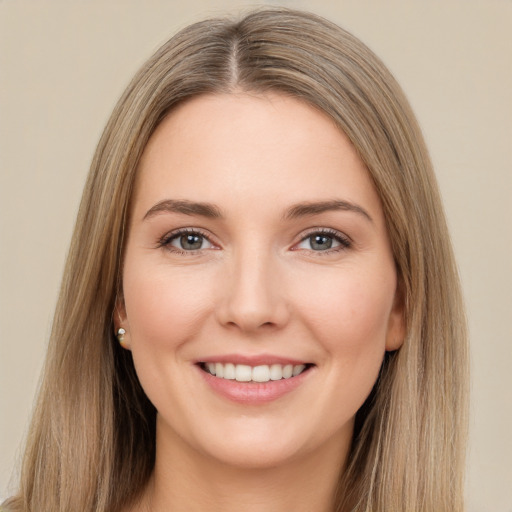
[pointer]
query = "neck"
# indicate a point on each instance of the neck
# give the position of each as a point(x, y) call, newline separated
point(192, 482)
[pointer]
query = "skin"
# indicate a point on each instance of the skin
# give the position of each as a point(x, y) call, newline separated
point(256, 285)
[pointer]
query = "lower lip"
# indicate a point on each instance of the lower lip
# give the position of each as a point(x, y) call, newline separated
point(253, 393)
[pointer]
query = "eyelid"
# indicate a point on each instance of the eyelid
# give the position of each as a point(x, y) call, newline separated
point(165, 241)
point(344, 240)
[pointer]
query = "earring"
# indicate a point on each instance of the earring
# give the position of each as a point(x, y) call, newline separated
point(120, 336)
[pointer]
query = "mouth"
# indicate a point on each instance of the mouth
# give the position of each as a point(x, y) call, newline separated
point(258, 374)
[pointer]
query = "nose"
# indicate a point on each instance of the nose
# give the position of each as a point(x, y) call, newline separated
point(253, 296)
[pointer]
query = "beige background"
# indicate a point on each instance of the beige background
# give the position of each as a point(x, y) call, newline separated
point(64, 63)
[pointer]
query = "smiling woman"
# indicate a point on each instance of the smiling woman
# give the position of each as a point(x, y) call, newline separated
point(302, 283)
point(261, 229)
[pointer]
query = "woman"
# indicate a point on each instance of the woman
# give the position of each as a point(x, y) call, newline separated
point(260, 307)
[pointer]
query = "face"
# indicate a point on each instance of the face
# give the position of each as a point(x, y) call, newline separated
point(259, 287)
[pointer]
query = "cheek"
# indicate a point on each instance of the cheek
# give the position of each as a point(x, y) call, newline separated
point(164, 312)
point(163, 307)
point(349, 313)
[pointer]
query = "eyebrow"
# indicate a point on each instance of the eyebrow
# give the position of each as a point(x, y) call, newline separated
point(185, 207)
point(212, 211)
point(316, 208)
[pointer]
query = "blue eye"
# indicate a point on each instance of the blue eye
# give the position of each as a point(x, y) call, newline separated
point(323, 241)
point(186, 241)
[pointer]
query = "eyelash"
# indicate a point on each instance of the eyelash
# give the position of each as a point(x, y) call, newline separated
point(343, 240)
point(165, 241)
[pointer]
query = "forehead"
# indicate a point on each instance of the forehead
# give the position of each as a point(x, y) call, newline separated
point(221, 147)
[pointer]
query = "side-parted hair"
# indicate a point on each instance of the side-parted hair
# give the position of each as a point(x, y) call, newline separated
point(91, 445)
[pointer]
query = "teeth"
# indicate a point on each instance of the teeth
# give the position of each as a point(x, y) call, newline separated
point(261, 373)
point(229, 371)
point(243, 373)
point(298, 369)
point(276, 372)
point(287, 371)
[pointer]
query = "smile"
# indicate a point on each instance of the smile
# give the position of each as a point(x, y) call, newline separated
point(246, 373)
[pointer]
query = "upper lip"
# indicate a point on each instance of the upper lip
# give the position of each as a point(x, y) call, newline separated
point(252, 360)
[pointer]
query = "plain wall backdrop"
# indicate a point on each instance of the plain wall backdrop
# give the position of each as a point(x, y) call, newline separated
point(63, 65)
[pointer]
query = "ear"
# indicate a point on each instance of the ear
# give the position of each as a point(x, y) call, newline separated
point(121, 322)
point(396, 322)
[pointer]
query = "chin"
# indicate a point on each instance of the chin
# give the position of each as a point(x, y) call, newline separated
point(255, 456)
point(257, 443)
point(245, 442)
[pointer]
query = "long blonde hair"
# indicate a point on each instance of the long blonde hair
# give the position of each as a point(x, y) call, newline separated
point(91, 445)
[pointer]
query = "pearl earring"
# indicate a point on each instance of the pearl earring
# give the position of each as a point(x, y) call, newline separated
point(120, 336)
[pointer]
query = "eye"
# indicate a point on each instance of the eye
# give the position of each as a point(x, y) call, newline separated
point(190, 242)
point(323, 241)
point(186, 241)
